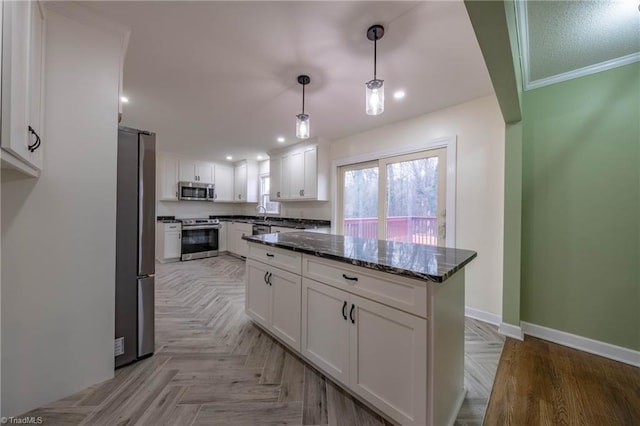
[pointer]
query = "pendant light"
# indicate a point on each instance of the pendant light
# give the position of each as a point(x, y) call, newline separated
point(302, 120)
point(375, 87)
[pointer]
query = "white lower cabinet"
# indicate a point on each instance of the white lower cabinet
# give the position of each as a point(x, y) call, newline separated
point(222, 237)
point(388, 359)
point(235, 243)
point(378, 352)
point(325, 328)
point(396, 343)
point(169, 242)
point(273, 300)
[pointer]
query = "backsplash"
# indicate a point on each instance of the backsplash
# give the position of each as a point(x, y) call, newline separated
point(190, 209)
point(320, 210)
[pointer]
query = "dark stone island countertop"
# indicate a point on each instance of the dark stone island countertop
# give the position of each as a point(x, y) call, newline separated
point(276, 221)
point(419, 261)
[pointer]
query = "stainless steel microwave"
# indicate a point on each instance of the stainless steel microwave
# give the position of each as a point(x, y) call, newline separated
point(195, 191)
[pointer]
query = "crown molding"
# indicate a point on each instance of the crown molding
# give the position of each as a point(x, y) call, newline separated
point(581, 72)
point(523, 33)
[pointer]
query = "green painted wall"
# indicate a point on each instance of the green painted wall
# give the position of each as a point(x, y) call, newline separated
point(581, 207)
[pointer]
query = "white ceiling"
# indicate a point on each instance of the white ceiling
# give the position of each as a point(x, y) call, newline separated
point(560, 37)
point(219, 78)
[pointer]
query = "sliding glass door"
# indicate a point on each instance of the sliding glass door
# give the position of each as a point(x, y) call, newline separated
point(400, 198)
point(359, 200)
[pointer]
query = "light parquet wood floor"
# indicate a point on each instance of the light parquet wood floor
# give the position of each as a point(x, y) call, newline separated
point(212, 366)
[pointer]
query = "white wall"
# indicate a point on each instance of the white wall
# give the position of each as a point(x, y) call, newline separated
point(479, 128)
point(58, 231)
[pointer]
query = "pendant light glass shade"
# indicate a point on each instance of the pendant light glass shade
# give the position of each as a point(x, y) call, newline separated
point(375, 97)
point(302, 126)
point(374, 102)
point(302, 120)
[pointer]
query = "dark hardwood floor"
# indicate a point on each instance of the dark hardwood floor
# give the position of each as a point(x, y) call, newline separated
point(542, 383)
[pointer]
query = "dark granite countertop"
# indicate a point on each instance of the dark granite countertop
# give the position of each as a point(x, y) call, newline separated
point(277, 221)
point(419, 261)
point(167, 219)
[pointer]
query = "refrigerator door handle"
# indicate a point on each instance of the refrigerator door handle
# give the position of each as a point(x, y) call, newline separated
point(146, 316)
point(146, 203)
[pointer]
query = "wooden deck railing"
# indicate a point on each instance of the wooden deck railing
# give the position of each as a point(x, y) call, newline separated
point(409, 229)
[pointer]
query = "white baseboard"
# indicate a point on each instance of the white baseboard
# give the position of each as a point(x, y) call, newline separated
point(482, 315)
point(510, 330)
point(607, 350)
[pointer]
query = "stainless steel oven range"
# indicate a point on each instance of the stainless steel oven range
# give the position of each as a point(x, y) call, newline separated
point(199, 238)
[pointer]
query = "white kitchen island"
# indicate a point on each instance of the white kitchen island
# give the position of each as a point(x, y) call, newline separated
point(384, 320)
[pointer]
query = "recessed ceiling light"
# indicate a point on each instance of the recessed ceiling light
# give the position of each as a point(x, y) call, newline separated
point(398, 94)
point(229, 157)
point(259, 157)
point(124, 99)
point(280, 139)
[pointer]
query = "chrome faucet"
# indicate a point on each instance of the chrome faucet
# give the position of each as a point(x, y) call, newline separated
point(265, 211)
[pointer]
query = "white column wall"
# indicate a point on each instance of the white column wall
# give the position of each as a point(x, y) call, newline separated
point(58, 231)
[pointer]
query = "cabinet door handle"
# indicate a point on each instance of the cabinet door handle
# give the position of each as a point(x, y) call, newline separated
point(344, 310)
point(176, 194)
point(300, 192)
point(347, 277)
point(32, 147)
point(270, 255)
point(265, 278)
point(269, 279)
point(353, 320)
point(278, 194)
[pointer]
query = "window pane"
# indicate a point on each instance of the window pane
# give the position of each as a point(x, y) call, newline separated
point(360, 203)
point(412, 201)
point(272, 207)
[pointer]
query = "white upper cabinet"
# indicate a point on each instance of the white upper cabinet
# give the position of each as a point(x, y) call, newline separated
point(223, 180)
point(279, 172)
point(304, 174)
point(300, 173)
point(245, 182)
point(275, 163)
point(240, 182)
point(167, 168)
point(196, 171)
point(205, 172)
point(23, 35)
point(231, 184)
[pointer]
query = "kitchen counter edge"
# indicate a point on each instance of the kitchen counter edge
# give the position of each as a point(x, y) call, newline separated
point(440, 277)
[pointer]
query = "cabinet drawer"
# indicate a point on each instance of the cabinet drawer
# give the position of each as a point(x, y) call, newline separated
point(279, 258)
point(399, 292)
point(172, 227)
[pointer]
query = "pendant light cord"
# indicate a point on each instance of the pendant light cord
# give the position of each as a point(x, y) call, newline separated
point(375, 55)
point(303, 98)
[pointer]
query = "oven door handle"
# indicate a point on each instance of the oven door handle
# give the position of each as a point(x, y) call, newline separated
point(195, 228)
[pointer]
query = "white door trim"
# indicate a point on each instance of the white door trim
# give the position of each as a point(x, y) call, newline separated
point(448, 142)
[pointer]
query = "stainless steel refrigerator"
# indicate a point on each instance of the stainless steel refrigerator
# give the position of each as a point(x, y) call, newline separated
point(135, 245)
